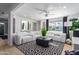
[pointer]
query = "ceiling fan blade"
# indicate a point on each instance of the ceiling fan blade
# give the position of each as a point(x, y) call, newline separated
point(43, 11)
point(46, 12)
point(50, 14)
point(39, 9)
point(46, 15)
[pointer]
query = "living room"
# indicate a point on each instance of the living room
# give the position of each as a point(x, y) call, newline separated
point(39, 29)
point(43, 28)
point(31, 19)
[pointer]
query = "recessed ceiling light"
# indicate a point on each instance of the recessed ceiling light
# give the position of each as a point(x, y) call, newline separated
point(64, 7)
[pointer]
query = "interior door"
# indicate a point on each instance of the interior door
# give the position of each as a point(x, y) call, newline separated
point(1, 29)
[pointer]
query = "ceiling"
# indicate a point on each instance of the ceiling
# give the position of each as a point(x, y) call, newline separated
point(5, 8)
point(55, 9)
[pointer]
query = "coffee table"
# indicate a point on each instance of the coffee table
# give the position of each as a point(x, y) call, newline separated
point(41, 41)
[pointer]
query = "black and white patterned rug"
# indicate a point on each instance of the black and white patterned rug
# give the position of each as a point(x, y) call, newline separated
point(31, 48)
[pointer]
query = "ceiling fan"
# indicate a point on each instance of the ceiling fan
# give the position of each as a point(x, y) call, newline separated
point(45, 12)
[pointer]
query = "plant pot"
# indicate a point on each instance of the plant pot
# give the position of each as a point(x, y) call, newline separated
point(44, 37)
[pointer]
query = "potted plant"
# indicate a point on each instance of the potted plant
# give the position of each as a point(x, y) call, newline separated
point(44, 31)
point(75, 25)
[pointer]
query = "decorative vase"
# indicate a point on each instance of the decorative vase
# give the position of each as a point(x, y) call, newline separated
point(44, 37)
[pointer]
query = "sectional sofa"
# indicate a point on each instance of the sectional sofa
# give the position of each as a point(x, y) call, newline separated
point(24, 37)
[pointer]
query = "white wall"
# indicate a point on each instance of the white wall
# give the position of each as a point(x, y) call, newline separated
point(18, 20)
point(10, 24)
point(56, 22)
point(73, 16)
point(17, 23)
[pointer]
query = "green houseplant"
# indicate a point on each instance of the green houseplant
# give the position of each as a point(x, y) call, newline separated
point(43, 31)
point(75, 24)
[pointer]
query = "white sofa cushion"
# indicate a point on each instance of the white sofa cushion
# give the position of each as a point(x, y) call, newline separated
point(60, 38)
point(23, 33)
point(57, 36)
point(26, 39)
point(36, 34)
point(21, 38)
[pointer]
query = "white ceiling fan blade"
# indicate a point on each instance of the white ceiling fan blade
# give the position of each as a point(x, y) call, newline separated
point(45, 12)
point(40, 10)
point(46, 15)
point(51, 14)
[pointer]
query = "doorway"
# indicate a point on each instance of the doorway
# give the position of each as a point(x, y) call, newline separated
point(3, 32)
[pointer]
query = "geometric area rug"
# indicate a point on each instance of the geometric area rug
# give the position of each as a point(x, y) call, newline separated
point(31, 48)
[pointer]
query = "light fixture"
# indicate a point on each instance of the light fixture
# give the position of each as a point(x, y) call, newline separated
point(64, 7)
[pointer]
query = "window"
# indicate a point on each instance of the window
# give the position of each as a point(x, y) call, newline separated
point(36, 25)
point(24, 25)
point(55, 25)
